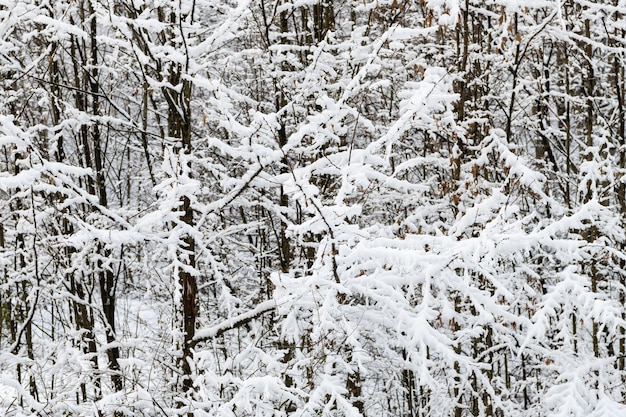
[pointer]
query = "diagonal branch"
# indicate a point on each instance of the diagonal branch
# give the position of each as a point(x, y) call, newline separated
point(202, 335)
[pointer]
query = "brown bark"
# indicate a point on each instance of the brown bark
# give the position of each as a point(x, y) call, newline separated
point(106, 278)
point(179, 130)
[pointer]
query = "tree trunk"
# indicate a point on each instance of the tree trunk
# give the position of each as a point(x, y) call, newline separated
point(106, 278)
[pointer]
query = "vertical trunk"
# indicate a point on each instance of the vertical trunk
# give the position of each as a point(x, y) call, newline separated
point(24, 314)
point(178, 100)
point(84, 324)
point(487, 401)
point(144, 129)
point(575, 333)
point(25, 306)
point(179, 129)
point(4, 305)
point(106, 278)
point(618, 72)
point(353, 385)
point(592, 233)
point(408, 380)
point(281, 101)
point(458, 407)
point(564, 114)
point(462, 41)
point(323, 19)
point(525, 378)
point(462, 46)
point(589, 91)
point(515, 68)
point(82, 313)
point(55, 97)
point(460, 87)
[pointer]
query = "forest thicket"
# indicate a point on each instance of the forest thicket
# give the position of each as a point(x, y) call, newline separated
point(312, 208)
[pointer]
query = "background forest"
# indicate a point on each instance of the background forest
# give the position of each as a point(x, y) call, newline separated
point(403, 208)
